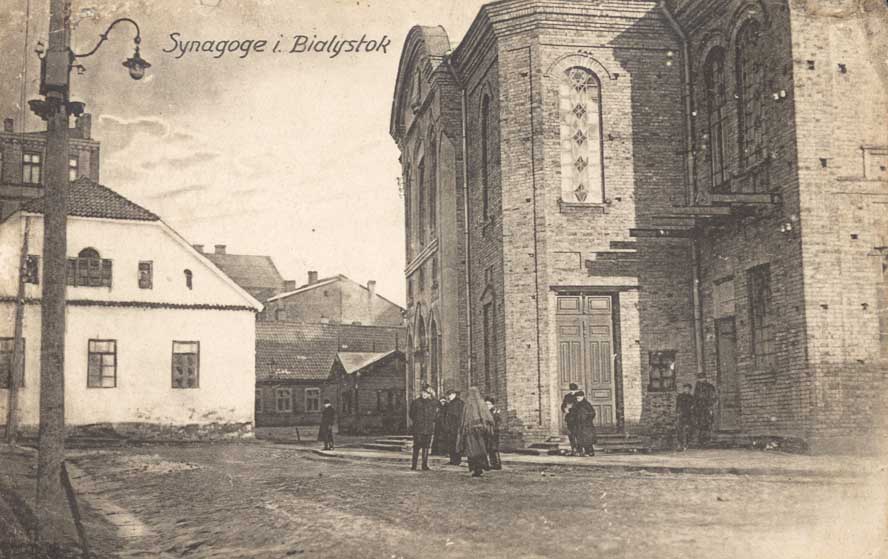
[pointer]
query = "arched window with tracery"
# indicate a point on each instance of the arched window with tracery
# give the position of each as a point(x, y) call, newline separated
point(434, 357)
point(421, 198)
point(408, 211)
point(433, 186)
point(716, 99)
point(485, 157)
point(582, 173)
point(750, 95)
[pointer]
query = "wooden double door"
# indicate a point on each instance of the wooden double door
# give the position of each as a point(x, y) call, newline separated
point(586, 354)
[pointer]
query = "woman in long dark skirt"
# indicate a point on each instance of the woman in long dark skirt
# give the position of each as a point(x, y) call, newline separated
point(476, 429)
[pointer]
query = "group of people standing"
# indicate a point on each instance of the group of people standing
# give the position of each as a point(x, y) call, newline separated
point(695, 413)
point(579, 417)
point(454, 427)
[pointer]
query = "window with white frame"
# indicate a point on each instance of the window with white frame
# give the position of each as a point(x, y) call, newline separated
point(102, 364)
point(312, 400)
point(186, 364)
point(32, 165)
point(283, 398)
point(146, 274)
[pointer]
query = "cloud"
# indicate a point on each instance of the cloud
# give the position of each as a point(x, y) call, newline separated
point(184, 162)
point(118, 133)
point(181, 191)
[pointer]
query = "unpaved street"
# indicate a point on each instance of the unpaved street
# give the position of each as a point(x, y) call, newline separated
point(263, 500)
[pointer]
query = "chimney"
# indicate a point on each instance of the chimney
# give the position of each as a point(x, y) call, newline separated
point(312, 277)
point(84, 125)
point(289, 285)
point(219, 249)
point(371, 287)
point(198, 248)
point(8, 125)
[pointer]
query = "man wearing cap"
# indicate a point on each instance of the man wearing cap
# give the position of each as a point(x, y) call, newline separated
point(452, 420)
point(422, 415)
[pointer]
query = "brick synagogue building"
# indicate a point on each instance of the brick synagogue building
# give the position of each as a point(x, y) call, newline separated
point(633, 195)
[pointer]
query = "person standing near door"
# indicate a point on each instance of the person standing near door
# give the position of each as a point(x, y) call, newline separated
point(684, 410)
point(493, 444)
point(566, 403)
point(582, 420)
point(705, 397)
point(422, 415)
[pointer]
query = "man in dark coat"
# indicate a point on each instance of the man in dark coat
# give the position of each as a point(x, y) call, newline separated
point(566, 403)
point(684, 411)
point(493, 444)
point(422, 415)
point(705, 397)
point(439, 441)
point(328, 418)
point(452, 421)
point(581, 420)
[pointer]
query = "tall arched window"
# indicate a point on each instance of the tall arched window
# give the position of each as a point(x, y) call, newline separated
point(750, 92)
point(582, 174)
point(421, 195)
point(408, 211)
point(716, 98)
point(485, 157)
point(434, 357)
point(433, 186)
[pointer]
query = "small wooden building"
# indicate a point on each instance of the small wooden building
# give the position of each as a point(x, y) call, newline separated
point(370, 389)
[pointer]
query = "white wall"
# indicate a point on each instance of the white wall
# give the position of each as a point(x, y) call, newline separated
point(144, 390)
point(125, 243)
point(144, 335)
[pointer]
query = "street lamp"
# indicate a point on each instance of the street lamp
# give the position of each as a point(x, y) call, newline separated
point(136, 64)
point(55, 107)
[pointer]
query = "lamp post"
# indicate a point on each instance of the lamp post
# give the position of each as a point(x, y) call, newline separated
point(55, 108)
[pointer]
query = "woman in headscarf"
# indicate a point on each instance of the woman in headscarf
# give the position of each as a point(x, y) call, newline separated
point(476, 428)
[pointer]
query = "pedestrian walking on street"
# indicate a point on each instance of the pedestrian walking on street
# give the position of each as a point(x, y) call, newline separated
point(581, 420)
point(566, 403)
point(705, 397)
point(439, 440)
point(328, 418)
point(493, 445)
point(476, 429)
point(452, 422)
point(684, 411)
point(422, 417)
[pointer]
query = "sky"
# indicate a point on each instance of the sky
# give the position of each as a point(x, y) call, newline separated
point(279, 153)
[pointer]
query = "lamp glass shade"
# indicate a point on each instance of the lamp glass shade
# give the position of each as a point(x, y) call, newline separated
point(136, 66)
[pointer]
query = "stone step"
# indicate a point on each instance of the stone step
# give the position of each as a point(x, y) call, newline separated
point(602, 449)
point(385, 446)
point(616, 255)
point(617, 245)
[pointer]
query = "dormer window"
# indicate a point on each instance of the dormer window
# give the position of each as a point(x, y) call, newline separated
point(89, 269)
point(189, 279)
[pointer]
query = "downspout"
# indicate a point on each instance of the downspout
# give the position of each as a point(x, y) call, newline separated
point(465, 177)
point(691, 168)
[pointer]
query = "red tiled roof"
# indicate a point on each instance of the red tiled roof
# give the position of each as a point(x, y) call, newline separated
point(90, 199)
point(303, 351)
point(256, 274)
